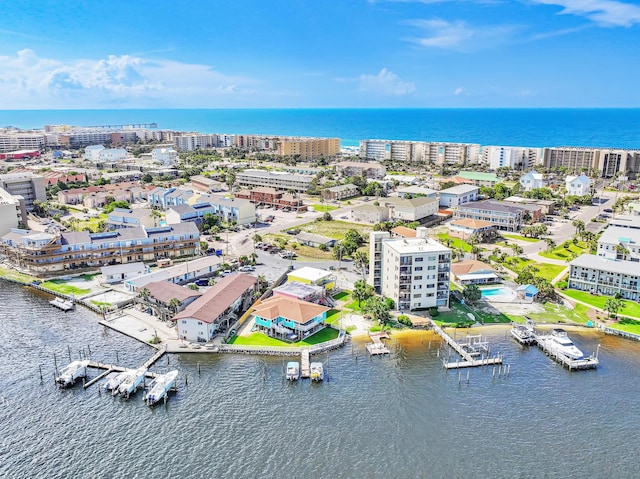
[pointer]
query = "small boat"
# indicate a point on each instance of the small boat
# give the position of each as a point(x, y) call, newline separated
point(160, 387)
point(293, 370)
point(317, 372)
point(72, 371)
point(114, 380)
point(559, 342)
point(131, 383)
point(63, 304)
point(523, 334)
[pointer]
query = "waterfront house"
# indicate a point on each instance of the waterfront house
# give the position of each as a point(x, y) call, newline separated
point(161, 293)
point(599, 275)
point(119, 273)
point(313, 276)
point(216, 309)
point(289, 319)
point(473, 272)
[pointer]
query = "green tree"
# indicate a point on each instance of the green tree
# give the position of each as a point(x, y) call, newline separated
point(230, 179)
point(115, 204)
point(361, 261)
point(472, 293)
point(362, 291)
point(613, 305)
point(174, 304)
point(579, 226)
point(378, 309)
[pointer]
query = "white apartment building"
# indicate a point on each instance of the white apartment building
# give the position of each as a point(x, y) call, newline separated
point(414, 272)
point(166, 156)
point(515, 157)
point(12, 140)
point(609, 277)
point(453, 153)
point(620, 243)
point(578, 185)
point(27, 185)
point(92, 153)
point(10, 212)
point(458, 195)
point(532, 180)
point(275, 179)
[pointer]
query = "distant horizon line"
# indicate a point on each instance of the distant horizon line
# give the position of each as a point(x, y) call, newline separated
point(339, 108)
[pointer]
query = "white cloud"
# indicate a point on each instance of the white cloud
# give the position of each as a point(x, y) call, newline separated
point(458, 91)
point(386, 83)
point(604, 12)
point(460, 35)
point(28, 81)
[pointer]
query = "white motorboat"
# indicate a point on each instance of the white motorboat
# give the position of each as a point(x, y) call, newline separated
point(293, 370)
point(317, 371)
point(130, 384)
point(72, 371)
point(64, 305)
point(160, 387)
point(523, 334)
point(114, 380)
point(559, 342)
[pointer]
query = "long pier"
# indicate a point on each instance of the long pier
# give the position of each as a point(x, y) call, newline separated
point(377, 347)
point(305, 371)
point(474, 346)
point(111, 368)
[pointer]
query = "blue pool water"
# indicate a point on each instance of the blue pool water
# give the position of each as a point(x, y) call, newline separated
point(497, 291)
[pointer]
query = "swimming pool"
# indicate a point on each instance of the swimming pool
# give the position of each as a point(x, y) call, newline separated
point(497, 291)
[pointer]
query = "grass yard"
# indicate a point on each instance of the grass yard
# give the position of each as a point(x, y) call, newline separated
point(333, 316)
point(628, 325)
point(455, 242)
point(631, 307)
point(336, 229)
point(324, 208)
point(546, 271)
point(353, 305)
point(260, 339)
point(63, 288)
point(521, 238)
point(555, 313)
point(343, 295)
point(458, 315)
point(565, 254)
point(14, 275)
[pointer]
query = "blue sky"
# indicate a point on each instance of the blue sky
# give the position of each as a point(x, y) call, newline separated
point(309, 54)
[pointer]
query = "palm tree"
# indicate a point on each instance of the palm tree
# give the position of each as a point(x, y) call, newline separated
point(144, 294)
point(361, 260)
point(362, 291)
point(613, 305)
point(550, 244)
point(578, 225)
point(621, 251)
point(378, 309)
point(472, 293)
point(174, 304)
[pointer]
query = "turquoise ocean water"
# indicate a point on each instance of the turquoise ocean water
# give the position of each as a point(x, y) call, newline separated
point(619, 128)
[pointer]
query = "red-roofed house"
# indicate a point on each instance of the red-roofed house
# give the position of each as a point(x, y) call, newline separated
point(289, 319)
point(162, 292)
point(465, 228)
point(217, 308)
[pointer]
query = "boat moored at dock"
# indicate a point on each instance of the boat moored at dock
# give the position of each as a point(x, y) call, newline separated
point(130, 384)
point(559, 343)
point(317, 371)
point(523, 333)
point(160, 387)
point(115, 379)
point(293, 370)
point(72, 371)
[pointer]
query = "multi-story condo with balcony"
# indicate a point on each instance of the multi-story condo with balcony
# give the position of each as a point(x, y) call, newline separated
point(241, 211)
point(607, 162)
point(515, 157)
point(442, 154)
point(357, 168)
point(414, 272)
point(600, 275)
point(27, 185)
point(42, 253)
point(275, 179)
point(12, 211)
point(13, 139)
point(620, 243)
point(504, 217)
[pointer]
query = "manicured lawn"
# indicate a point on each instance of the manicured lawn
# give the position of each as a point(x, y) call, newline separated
point(455, 242)
point(554, 313)
point(343, 295)
point(63, 288)
point(563, 253)
point(628, 325)
point(260, 339)
point(522, 238)
point(333, 316)
point(458, 314)
point(101, 303)
point(336, 229)
point(324, 208)
point(631, 308)
point(353, 305)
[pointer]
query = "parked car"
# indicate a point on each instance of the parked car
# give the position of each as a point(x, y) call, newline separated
point(293, 232)
point(246, 269)
point(226, 272)
point(202, 282)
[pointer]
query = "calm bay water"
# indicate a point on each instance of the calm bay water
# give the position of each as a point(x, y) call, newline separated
point(401, 416)
point(605, 127)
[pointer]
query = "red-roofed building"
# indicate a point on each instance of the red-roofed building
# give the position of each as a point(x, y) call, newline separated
point(217, 308)
point(288, 318)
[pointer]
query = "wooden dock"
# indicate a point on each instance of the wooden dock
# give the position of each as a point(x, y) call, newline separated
point(591, 362)
point(472, 347)
point(305, 369)
point(111, 368)
point(377, 347)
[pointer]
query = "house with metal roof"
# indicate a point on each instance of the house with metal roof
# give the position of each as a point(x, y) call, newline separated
point(289, 319)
